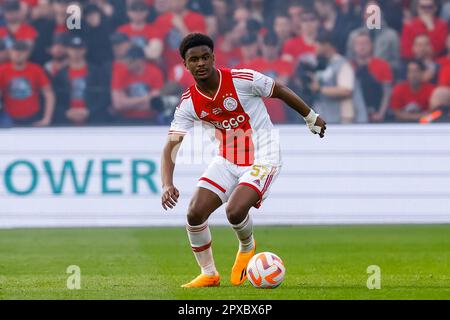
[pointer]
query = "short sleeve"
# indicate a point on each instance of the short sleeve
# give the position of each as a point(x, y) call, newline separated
point(396, 98)
point(42, 78)
point(346, 77)
point(262, 85)
point(118, 81)
point(183, 119)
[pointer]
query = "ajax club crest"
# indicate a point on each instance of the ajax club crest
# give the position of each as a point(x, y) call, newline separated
point(230, 103)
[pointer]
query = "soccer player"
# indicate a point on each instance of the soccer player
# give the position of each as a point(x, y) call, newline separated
point(230, 101)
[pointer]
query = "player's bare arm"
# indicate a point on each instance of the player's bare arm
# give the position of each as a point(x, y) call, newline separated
point(170, 193)
point(315, 123)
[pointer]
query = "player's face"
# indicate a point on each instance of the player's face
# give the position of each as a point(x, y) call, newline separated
point(200, 62)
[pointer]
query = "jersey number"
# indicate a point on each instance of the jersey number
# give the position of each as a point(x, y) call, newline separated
point(257, 170)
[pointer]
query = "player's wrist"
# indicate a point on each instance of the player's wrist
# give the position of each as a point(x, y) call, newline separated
point(311, 118)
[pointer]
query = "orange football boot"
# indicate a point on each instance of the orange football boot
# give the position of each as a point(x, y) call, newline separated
point(239, 270)
point(203, 280)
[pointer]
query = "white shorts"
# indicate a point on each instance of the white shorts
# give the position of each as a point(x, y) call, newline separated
point(223, 176)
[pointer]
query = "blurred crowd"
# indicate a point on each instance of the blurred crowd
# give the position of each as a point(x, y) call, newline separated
point(119, 63)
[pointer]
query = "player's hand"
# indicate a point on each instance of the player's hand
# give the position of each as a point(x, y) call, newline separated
point(169, 197)
point(315, 123)
point(322, 125)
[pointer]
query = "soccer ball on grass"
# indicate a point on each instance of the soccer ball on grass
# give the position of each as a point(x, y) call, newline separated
point(265, 270)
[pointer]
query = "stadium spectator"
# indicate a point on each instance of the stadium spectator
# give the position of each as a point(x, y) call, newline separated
point(336, 22)
point(50, 20)
point(373, 77)
point(80, 88)
point(58, 53)
point(258, 10)
point(133, 88)
point(425, 23)
point(96, 31)
point(241, 15)
point(282, 28)
point(223, 14)
point(294, 11)
point(423, 51)
point(270, 62)
point(59, 16)
point(175, 25)
point(386, 42)
point(120, 43)
point(107, 9)
point(15, 27)
point(249, 50)
point(273, 66)
point(305, 42)
point(444, 60)
point(142, 34)
point(410, 98)
point(21, 83)
point(205, 8)
point(159, 25)
point(227, 51)
point(334, 85)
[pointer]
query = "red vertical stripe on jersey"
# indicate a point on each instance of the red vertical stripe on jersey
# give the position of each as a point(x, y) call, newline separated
point(233, 129)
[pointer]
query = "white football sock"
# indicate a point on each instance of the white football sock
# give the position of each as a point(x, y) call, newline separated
point(200, 239)
point(244, 232)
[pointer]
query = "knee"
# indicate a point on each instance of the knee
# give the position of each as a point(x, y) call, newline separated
point(195, 216)
point(236, 212)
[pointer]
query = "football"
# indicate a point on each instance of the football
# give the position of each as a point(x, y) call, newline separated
point(266, 270)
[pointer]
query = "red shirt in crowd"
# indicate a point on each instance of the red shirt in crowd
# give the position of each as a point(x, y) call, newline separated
point(60, 28)
point(380, 70)
point(25, 32)
point(274, 69)
point(403, 94)
point(416, 27)
point(226, 59)
point(444, 76)
point(182, 76)
point(77, 78)
point(21, 89)
point(194, 22)
point(143, 36)
point(296, 47)
point(443, 61)
point(31, 3)
point(137, 85)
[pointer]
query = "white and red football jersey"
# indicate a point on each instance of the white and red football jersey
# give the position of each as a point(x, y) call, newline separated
point(243, 128)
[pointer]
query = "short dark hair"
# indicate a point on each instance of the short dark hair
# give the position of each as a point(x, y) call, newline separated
point(195, 40)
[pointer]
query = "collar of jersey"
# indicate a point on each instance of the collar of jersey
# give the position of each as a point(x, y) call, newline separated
point(218, 89)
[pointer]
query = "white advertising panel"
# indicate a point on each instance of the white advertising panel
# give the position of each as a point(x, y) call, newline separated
point(64, 177)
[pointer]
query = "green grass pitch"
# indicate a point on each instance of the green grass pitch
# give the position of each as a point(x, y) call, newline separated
point(322, 262)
